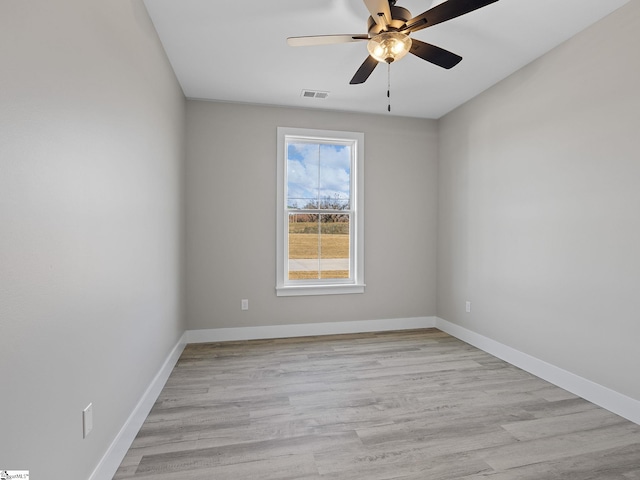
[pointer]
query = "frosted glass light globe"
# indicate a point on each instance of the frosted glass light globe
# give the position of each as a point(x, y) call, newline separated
point(389, 46)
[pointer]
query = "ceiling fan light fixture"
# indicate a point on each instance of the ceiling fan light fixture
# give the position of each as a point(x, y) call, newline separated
point(389, 46)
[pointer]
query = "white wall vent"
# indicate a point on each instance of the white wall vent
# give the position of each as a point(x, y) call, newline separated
point(314, 94)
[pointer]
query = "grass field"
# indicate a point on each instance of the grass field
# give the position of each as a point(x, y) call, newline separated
point(335, 228)
point(313, 274)
point(305, 245)
point(304, 240)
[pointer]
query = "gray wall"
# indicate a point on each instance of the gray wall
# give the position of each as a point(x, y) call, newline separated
point(539, 203)
point(231, 213)
point(91, 151)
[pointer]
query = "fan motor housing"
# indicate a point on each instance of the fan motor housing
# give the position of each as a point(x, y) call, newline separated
point(400, 17)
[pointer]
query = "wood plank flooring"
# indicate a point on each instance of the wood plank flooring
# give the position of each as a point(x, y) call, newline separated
point(405, 405)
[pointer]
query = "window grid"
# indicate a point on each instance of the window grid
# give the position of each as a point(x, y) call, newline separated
point(336, 217)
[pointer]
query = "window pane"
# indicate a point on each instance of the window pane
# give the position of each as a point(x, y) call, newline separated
point(334, 176)
point(334, 246)
point(304, 246)
point(318, 175)
point(319, 246)
point(303, 161)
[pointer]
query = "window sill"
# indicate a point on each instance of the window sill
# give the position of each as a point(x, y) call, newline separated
point(300, 290)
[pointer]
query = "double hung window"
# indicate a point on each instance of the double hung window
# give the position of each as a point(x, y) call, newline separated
point(320, 212)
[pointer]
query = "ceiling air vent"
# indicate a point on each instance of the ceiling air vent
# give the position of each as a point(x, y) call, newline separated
point(314, 94)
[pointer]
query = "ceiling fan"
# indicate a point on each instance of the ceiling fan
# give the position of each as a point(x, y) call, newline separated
point(388, 38)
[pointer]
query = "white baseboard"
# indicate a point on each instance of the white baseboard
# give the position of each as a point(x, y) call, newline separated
point(604, 397)
point(111, 460)
point(307, 330)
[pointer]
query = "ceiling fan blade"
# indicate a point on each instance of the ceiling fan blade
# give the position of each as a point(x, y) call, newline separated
point(325, 39)
point(380, 12)
point(443, 12)
point(364, 71)
point(436, 55)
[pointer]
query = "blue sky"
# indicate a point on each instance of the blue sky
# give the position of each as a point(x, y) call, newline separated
point(317, 171)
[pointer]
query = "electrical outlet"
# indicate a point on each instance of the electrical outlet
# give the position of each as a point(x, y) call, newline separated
point(87, 420)
point(467, 307)
point(244, 304)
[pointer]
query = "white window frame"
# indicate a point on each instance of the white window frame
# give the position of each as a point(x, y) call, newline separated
point(286, 287)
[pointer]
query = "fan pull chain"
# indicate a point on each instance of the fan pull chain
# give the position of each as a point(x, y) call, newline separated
point(389, 87)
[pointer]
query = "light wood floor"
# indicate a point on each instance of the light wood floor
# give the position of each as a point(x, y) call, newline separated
point(403, 405)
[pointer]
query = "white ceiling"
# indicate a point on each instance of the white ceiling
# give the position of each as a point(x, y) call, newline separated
point(236, 50)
